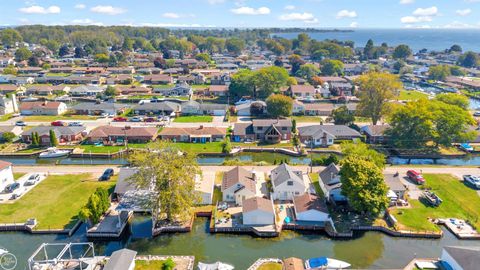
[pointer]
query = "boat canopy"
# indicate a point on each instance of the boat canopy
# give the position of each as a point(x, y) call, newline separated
point(318, 262)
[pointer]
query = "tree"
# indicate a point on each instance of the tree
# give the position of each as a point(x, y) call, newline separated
point(35, 139)
point(268, 80)
point(402, 52)
point(22, 54)
point(234, 45)
point(332, 67)
point(168, 264)
point(307, 71)
point(279, 106)
point(376, 89)
point(98, 203)
point(469, 59)
point(369, 50)
point(363, 185)
point(64, 50)
point(342, 116)
point(171, 176)
point(53, 138)
point(457, 71)
point(455, 48)
point(454, 99)
point(10, 70)
point(295, 61)
point(8, 136)
point(101, 58)
point(33, 61)
point(242, 83)
point(80, 52)
point(294, 126)
point(226, 146)
point(360, 150)
point(203, 57)
point(9, 37)
point(111, 91)
point(257, 109)
point(439, 73)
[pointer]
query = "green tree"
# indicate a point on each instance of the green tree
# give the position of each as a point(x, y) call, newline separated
point(235, 45)
point(342, 116)
point(171, 176)
point(169, 264)
point(438, 73)
point(360, 150)
point(332, 67)
point(279, 106)
point(8, 136)
point(226, 146)
point(369, 50)
point(53, 138)
point(9, 37)
point(363, 185)
point(242, 83)
point(457, 71)
point(101, 58)
point(454, 99)
point(268, 80)
point(294, 126)
point(402, 52)
point(64, 50)
point(455, 48)
point(451, 123)
point(295, 61)
point(307, 71)
point(33, 61)
point(111, 91)
point(35, 139)
point(203, 57)
point(469, 59)
point(376, 89)
point(10, 70)
point(22, 54)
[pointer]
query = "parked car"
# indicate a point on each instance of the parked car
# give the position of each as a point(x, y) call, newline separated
point(29, 183)
point(58, 124)
point(12, 187)
point(120, 119)
point(243, 101)
point(20, 124)
point(107, 174)
point(75, 124)
point(103, 115)
point(34, 177)
point(14, 197)
point(415, 177)
point(149, 119)
point(136, 119)
point(477, 113)
point(472, 180)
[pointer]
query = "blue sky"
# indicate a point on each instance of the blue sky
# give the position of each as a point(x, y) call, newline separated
point(247, 13)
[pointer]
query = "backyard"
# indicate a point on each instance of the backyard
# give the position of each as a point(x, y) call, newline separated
point(194, 119)
point(459, 201)
point(55, 202)
point(270, 266)
point(411, 95)
point(148, 265)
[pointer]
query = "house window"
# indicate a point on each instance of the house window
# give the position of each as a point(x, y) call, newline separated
point(290, 183)
point(284, 128)
point(260, 128)
point(297, 193)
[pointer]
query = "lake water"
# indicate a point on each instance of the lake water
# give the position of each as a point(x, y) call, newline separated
point(370, 250)
point(417, 39)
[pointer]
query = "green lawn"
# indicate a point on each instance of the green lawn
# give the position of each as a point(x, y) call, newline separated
point(194, 119)
point(270, 266)
point(17, 176)
point(148, 265)
point(198, 148)
point(55, 202)
point(5, 117)
point(411, 95)
point(51, 118)
point(307, 119)
point(314, 177)
point(88, 148)
point(459, 201)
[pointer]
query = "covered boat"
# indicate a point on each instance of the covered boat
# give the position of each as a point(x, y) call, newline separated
point(325, 263)
point(215, 266)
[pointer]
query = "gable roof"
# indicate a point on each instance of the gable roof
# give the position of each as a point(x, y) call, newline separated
point(306, 202)
point(120, 260)
point(283, 173)
point(302, 88)
point(329, 174)
point(335, 130)
point(59, 130)
point(105, 131)
point(241, 176)
point(467, 257)
point(123, 185)
point(177, 131)
point(4, 164)
point(269, 122)
point(257, 203)
point(50, 105)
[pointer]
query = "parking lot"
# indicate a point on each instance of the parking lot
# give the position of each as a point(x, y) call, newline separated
point(25, 185)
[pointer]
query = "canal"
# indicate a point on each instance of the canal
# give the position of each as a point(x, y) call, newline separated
point(370, 250)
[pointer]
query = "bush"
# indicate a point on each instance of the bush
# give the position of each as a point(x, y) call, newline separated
point(226, 146)
point(169, 264)
point(325, 160)
point(8, 136)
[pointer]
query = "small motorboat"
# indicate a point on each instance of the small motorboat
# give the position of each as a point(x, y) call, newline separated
point(325, 263)
point(3, 251)
point(215, 266)
point(53, 152)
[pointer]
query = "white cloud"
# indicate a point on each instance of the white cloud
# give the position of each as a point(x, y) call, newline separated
point(346, 14)
point(304, 17)
point(40, 10)
point(415, 19)
point(171, 15)
point(80, 6)
point(109, 10)
point(431, 11)
point(354, 24)
point(406, 2)
point(289, 7)
point(85, 22)
point(463, 12)
point(251, 11)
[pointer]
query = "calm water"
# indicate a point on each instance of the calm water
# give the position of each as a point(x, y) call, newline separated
point(371, 250)
point(417, 39)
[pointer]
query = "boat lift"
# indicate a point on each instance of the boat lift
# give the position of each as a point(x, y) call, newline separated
point(66, 258)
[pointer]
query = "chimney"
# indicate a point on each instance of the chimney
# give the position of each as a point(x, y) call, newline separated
point(201, 127)
point(127, 127)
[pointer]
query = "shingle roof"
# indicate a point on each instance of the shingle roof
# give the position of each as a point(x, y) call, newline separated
point(328, 175)
point(307, 202)
point(467, 257)
point(334, 130)
point(59, 130)
point(269, 122)
point(40, 104)
point(302, 89)
point(257, 203)
point(176, 131)
point(120, 260)
point(158, 106)
point(4, 164)
point(123, 185)
point(283, 173)
point(105, 131)
point(241, 176)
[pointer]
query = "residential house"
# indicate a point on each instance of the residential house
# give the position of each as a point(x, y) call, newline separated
point(123, 184)
point(245, 109)
point(375, 134)
point(43, 108)
point(239, 184)
point(93, 80)
point(287, 183)
point(309, 208)
point(6, 175)
point(397, 190)
point(12, 129)
point(331, 185)
point(64, 135)
point(87, 90)
point(269, 130)
point(302, 91)
point(8, 105)
point(354, 69)
point(319, 109)
point(9, 88)
point(460, 258)
point(99, 108)
point(220, 79)
point(204, 187)
point(199, 134)
point(217, 90)
point(117, 135)
point(196, 108)
point(258, 211)
point(158, 108)
point(123, 259)
point(325, 135)
point(133, 90)
point(120, 79)
point(158, 79)
point(180, 89)
point(46, 90)
point(298, 107)
point(193, 78)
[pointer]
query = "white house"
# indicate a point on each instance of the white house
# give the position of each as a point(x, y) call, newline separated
point(287, 183)
point(258, 211)
point(6, 174)
point(310, 208)
point(239, 184)
point(43, 108)
point(331, 185)
point(461, 258)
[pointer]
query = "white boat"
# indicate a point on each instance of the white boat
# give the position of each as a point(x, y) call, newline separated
point(215, 266)
point(53, 152)
point(326, 263)
point(3, 251)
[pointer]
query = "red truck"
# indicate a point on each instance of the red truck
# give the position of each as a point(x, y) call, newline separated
point(415, 177)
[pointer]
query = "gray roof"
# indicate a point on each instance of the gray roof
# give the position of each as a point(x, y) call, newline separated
point(120, 260)
point(284, 173)
point(123, 185)
point(87, 88)
point(334, 130)
point(158, 106)
point(467, 257)
point(98, 106)
point(328, 175)
point(269, 122)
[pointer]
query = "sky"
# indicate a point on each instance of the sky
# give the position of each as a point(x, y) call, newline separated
point(246, 13)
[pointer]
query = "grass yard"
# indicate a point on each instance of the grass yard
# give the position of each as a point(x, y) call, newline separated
point(89, 148)
point(5, 117)
point(17, 176)
point(194, 119)
point(307, 119)
point(270, 266)
point(55, 202)
point(148, 265)
point(51, 118)
point(219, 178)
point(459, 201)
point(411, 95)
point(199, 148)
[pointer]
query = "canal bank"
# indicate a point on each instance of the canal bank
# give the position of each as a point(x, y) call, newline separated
point(370, 250)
